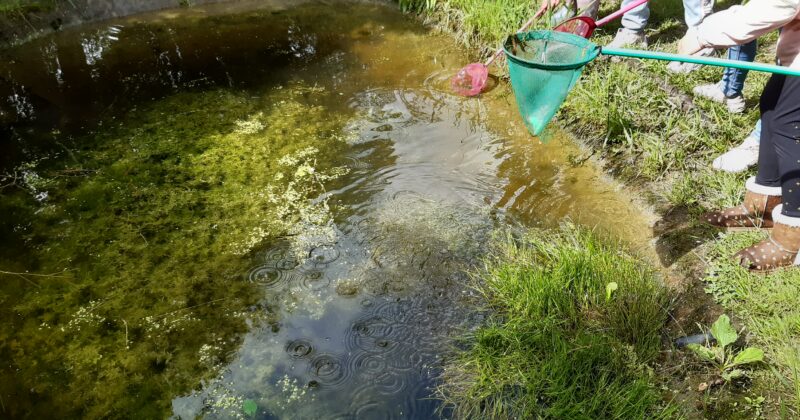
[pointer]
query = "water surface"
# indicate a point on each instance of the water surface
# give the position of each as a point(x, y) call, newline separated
point(256, 210)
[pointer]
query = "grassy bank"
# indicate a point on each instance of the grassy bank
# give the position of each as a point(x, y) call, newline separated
point(574, 326)
point(650, 132)
point(23, 6)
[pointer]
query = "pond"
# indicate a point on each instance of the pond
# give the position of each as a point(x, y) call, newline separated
point(258, 209)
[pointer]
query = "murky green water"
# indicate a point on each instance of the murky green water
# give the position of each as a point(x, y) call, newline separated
point(255, 210)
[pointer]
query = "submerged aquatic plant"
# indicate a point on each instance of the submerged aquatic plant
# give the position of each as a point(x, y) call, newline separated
point(152, 240)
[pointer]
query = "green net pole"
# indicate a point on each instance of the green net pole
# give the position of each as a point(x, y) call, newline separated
point(709, 61)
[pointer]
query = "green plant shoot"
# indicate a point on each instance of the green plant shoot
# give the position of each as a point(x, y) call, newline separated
point(724, 358)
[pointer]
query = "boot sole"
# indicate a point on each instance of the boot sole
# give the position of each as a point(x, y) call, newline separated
point(746, 229)
point(771, 270)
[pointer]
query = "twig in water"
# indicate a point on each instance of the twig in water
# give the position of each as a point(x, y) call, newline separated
point(189, 307)
point(24, 276)
point(127, 347)
point(30, 274)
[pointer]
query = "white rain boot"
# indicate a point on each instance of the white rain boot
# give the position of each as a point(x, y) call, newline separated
point(626, 37)
point(739, 158)
point(713, 92)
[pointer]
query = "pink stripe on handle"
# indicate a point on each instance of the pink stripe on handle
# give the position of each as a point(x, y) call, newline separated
point(620, 12)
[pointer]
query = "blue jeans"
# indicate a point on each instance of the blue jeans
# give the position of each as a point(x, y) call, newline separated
point(636, 19)
point(756, 133)
point(693, 12)
point(732, 82)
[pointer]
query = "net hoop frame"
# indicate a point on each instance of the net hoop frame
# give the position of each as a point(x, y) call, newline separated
point(561, 37)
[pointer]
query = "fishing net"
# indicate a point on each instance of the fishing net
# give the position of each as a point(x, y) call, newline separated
point(543, 66)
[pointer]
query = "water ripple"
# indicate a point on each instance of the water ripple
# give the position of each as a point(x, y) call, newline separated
point(299, 349)
point(324, 254)
point(268, 276)
point(329, 370)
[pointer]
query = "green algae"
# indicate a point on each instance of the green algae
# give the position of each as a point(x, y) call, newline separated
point(146, 234)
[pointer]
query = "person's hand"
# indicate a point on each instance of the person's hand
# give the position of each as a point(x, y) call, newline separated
point(689, 44)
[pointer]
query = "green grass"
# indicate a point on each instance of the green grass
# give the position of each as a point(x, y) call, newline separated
point(669, 150)
point(23, 6)
point(656, 137)
point(767, 305)
point(556, 345)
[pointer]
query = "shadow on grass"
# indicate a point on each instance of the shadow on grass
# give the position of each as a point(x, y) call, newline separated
point(679, 233)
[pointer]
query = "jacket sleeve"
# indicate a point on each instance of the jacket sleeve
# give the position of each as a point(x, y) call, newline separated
point(742, 24)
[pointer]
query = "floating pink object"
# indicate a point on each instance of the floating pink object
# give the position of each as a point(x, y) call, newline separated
point(470, 80)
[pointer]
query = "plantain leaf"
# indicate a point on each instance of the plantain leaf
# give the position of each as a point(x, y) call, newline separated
point(748, 355)
point(733, 374)
point(723, 331)
point(703, 352)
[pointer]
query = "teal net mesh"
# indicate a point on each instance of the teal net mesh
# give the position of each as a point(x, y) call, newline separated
point(544, 66)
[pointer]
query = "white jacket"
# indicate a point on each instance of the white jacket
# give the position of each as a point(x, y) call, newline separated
point(741, 24)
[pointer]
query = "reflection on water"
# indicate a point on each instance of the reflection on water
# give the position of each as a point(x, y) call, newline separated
point(364, 320)
point(365, 317)
point(351, 308)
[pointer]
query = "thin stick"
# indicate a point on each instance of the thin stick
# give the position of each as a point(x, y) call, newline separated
point(14, 179)
point(30, 274)
point(189, 307)
point(23, 278)
point(127, 347)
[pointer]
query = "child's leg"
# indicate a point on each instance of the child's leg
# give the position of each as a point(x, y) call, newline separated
point(693, 12)
point(636, 19)
point(768, 171)
point(756, 133)
point(733, 79)
point(779, 165)
point(784, 132)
